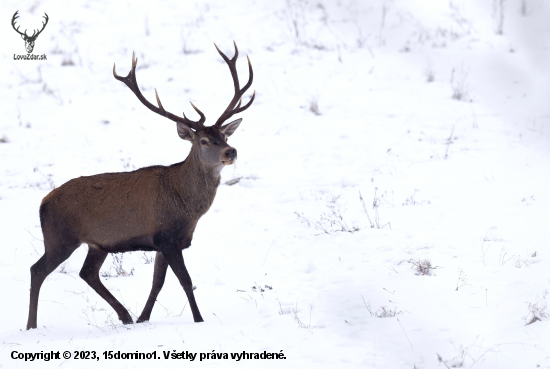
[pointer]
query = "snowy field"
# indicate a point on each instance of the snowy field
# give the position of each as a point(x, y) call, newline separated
point(436, 113)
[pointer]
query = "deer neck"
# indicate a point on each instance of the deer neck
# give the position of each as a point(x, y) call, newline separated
point(195, 183)
point(211, 173)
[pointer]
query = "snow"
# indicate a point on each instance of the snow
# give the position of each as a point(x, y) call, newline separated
point(352, 97)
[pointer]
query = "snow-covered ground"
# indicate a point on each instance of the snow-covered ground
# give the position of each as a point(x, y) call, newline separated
point(423, 108)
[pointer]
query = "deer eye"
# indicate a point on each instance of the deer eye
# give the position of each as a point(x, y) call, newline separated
point(204, 142)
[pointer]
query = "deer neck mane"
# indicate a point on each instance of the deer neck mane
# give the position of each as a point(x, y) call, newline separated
point(197, 166)
point(195, 182)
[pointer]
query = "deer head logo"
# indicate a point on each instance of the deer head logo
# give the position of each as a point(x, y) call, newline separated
point(29, 40)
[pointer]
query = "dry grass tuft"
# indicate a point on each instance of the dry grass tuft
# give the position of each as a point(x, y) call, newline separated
point(422, 266)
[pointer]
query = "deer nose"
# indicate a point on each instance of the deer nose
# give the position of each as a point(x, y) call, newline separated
point(231, 153)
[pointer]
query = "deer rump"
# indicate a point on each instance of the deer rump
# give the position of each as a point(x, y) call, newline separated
point(150, 209)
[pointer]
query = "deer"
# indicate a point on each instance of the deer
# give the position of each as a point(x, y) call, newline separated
point(154, 208)
point(29, 40)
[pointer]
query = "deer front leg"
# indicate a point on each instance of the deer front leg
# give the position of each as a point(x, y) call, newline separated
point(158, 281)
point(174, 258)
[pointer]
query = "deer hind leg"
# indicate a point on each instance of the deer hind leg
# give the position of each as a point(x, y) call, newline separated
point(90, 273)
point(51, 259)
point(161, 265)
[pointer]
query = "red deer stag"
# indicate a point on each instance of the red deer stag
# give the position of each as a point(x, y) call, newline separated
point(150, 209)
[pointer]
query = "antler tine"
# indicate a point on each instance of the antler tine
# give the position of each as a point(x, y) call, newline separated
point(130, 81)
point(237, 98)
point(203, 118)
point(43, 24)
point(15, 16)
point(251, 75)
point(236, 51)
point(238, 110)
point(158, 101)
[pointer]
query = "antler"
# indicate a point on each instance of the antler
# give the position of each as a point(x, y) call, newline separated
point(15, 16)
point(231, 108)
point(43, 26)
point(34, 34)
point(130, 81)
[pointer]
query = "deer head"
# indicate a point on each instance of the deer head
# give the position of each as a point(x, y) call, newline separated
point(209, 142)
point(29, 40)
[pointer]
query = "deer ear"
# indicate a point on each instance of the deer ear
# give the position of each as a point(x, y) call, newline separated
point(185, 132)
point(23, 37)
point(230, 128)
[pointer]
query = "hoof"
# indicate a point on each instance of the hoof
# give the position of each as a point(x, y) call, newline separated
point(126, 320)
point(141, 320)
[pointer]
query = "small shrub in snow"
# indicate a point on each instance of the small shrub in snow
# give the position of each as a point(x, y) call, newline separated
point(520, 263)
point(383, 312)
point(502, 258)
point(448, 143)
point(458, 360)
point(284, 311)
point(498, 16)
point(462, 279)
point(376, 201)
point(146, 259)
point(294, 311)
point(537, 310)
point(48, 178)
point(116, 270)
point(429, 74)
point(63, 268)
point(422, 266)
point(314, 106)
point(302, 324)
point(4, 139)
point(491, 236)
point(527, 201)
point(330, 222)
point(459, 84)
point(295, 17)
point(412, 201)
point(189, 29)
point(258, 288)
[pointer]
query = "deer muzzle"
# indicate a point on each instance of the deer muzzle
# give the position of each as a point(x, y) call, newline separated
point(229, 156)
